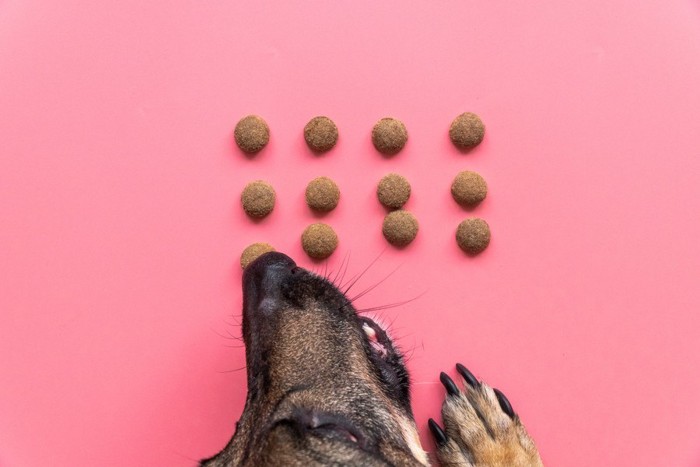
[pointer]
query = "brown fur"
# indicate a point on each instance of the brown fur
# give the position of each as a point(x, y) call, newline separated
point(328, 387)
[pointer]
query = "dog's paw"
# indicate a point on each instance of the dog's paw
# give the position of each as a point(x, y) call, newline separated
point(481, 428)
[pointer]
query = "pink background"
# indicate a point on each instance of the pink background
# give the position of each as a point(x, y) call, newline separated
point(121, 230)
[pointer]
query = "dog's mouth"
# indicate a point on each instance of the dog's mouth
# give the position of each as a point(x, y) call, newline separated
point(376, 336)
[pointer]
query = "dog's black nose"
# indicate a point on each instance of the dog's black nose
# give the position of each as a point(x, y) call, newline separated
point(271, 259)
point(263, 277)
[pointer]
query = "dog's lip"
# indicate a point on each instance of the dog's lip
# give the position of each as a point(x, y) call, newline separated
point(374, 331)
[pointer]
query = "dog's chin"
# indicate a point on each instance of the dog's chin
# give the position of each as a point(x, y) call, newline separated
point(313, 437)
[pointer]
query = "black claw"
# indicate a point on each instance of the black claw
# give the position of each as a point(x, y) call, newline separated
point(449, 384)
point(504, 403)
point(438, 434)
point(467, 375)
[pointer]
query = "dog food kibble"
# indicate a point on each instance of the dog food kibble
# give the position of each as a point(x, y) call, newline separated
point(321, 134)
point(469, 188)
point(252, 252)
point(319, 240)
point(473, 235)
point(467, 130)
point(393, 191)
point(251, 134)
point(400, 228)
point(389, 136)
point(258, 199)
point(322, 194)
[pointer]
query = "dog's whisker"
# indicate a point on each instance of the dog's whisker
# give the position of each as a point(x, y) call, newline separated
point(392, 305)
point(193, 460)
point(409, 356)
point(384, 307)
point(345, 269)
point(335, 276)
point(229, 337)
point(357, 277)
point(398, 337)
point(186, 456)
point(232, 336)
point(392, 329)
point(337, 272)
point(371, 288)
point(232, 371)
point(336, 279)
point(236, 319)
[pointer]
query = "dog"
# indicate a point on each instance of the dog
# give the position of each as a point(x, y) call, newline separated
point(326, 386)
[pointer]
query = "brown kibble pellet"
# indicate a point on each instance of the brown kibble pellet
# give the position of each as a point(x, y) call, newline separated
point(258, 199)
point(251, 134)
point(319, 240)
point(469, 188)
point(252, 252)
point(467, 130)
point(393, 191)
point(321, 134)
point(473, 235)
point(322, 194)
point(400, 228)
point(389, 136)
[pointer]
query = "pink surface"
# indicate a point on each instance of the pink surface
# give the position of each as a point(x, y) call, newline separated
point(120, 226)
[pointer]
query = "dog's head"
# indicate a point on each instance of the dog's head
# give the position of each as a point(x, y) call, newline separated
point(325, 385)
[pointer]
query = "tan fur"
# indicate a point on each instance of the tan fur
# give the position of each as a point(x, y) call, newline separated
point(410, 434)
point(482, 435)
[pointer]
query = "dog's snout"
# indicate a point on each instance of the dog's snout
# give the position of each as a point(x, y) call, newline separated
point(264, 276)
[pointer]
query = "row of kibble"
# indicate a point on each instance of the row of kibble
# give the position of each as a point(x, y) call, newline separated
point(393, 191)
point(400, 227)
point(389, 135)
